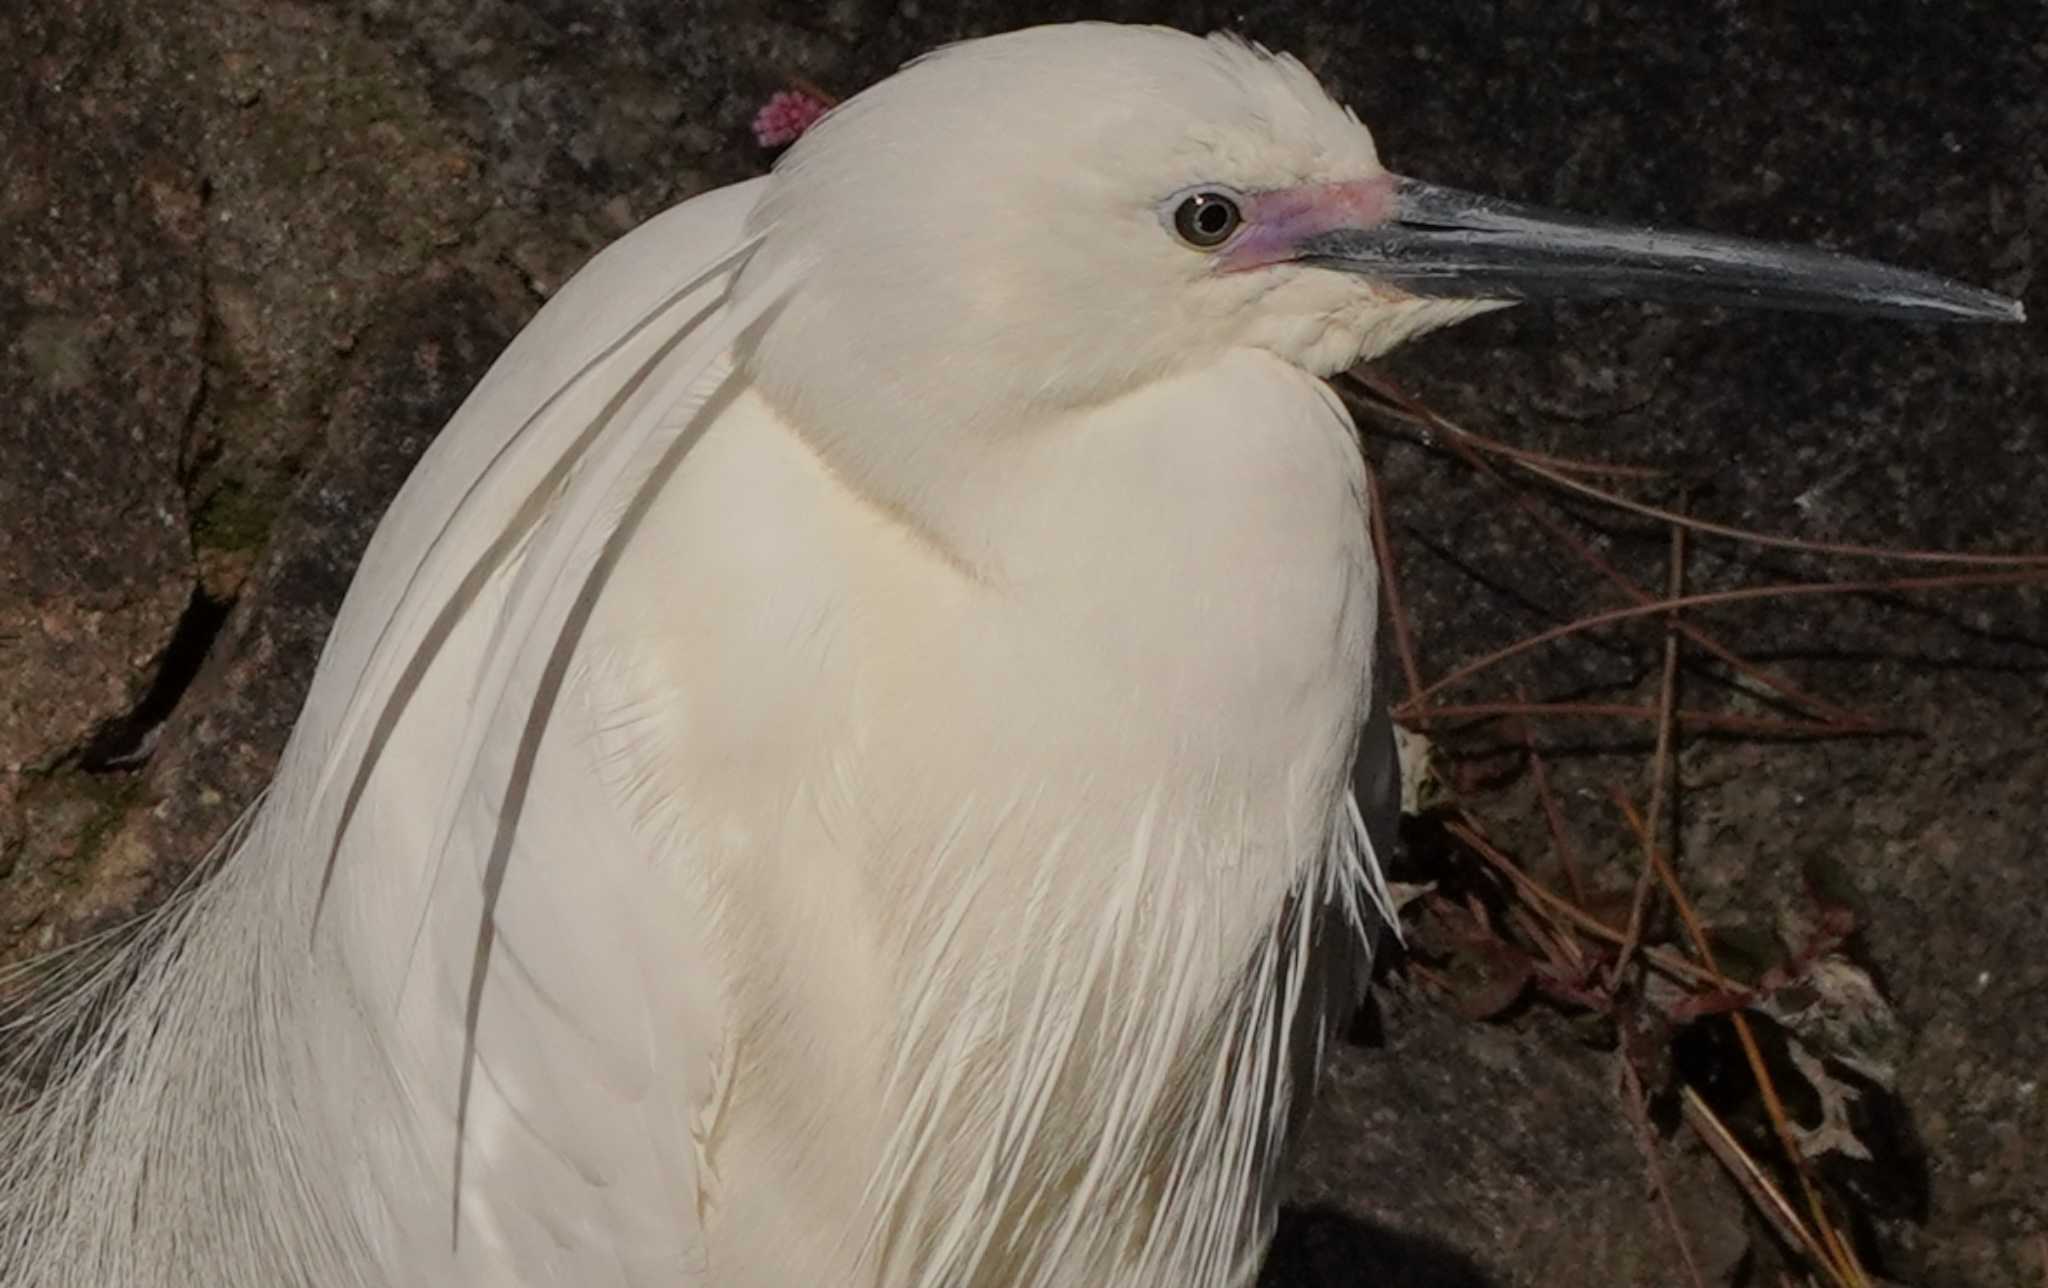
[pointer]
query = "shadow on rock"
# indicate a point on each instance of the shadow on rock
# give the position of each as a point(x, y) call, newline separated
point(1323, 1248)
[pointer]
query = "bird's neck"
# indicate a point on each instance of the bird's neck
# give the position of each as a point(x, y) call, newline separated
point(1242, 454)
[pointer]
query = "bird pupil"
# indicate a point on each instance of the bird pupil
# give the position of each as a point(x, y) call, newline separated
point(1206, 220)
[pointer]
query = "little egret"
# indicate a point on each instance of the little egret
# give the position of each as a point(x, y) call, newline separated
point(836, 769)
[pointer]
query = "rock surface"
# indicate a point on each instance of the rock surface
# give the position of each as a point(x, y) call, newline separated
point(261, 249)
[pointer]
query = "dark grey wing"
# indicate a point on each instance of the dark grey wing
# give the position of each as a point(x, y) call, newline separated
point(1341, 951)
point(1376, 783)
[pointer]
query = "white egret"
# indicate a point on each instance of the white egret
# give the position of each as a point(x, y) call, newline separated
point(835, 770)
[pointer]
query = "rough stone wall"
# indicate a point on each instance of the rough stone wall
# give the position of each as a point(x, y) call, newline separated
point(257, 252)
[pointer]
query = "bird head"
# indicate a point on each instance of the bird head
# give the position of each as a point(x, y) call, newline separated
point(1016, 228)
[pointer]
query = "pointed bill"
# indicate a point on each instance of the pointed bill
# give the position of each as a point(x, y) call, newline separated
point(1436, 241)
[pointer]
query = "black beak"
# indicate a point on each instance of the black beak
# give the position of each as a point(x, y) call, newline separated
point(1443, 242)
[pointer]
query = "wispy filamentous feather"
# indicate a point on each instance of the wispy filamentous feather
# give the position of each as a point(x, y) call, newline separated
point(160, 1126)
point(159, 1146)
point(1174, 1096)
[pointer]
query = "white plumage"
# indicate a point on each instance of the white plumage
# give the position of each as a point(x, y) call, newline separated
point(835, 768)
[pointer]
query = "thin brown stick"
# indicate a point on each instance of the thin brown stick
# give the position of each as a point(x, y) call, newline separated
point(1732, 721)
point(1390, 581)
point(1750, 1177)
point(1669, 962)
point(1780, 590)
point(1694, 929)
point(1553, 813)
point(1841, 1261)
point(1396, 403)
point(1750, 536)
point(1560, 947)
point(1697, 634)
point(1639, 1119)
point(1660, 763)
point(1432, 978)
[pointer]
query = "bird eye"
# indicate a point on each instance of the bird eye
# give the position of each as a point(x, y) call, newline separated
point(1205, 220)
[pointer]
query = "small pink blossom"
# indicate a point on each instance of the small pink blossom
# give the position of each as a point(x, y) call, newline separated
point(785, 116)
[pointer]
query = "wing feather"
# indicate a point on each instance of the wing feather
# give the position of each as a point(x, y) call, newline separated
point(482, 488)
point(503, 535)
